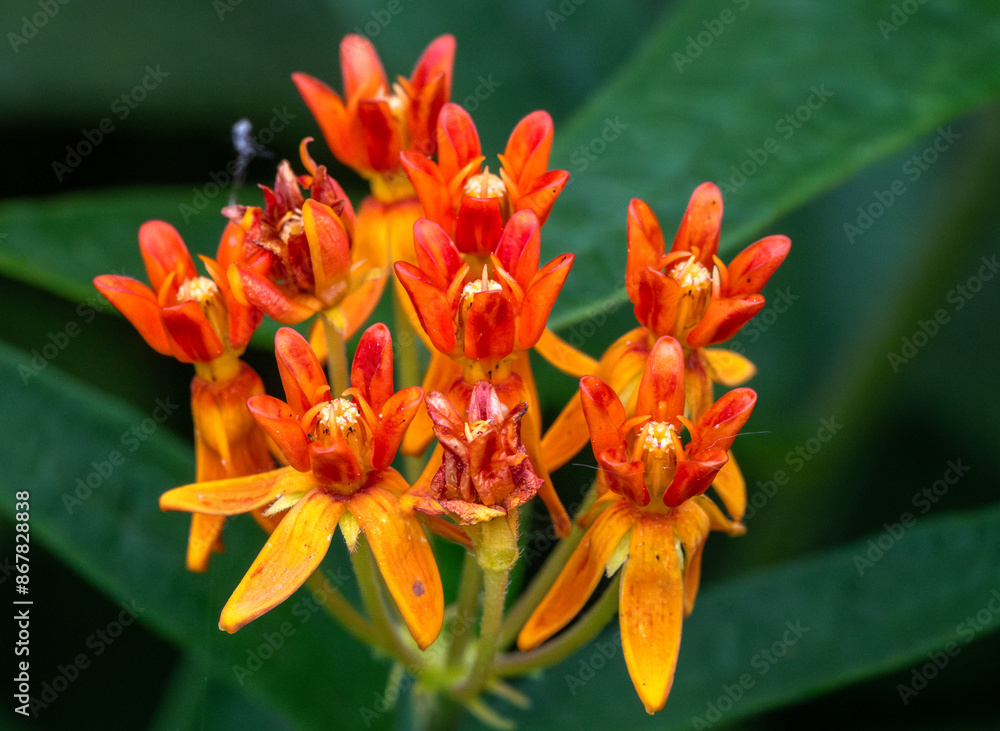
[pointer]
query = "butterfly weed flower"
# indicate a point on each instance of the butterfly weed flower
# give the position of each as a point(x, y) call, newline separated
point(339, 452)
point(653, 520)
point(199, 320)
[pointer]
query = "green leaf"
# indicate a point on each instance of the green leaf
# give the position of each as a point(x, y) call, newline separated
point(664, 125)
point(94, 470)
point(793, 632)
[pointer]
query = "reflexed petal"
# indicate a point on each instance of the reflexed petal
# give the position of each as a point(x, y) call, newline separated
point(192, 335)
point(302, 376)
point(699, 229)
point(431, 304)
point(164, 253)
point(579, 577)
point(329, 246)
point(646, 245)
point(405, 559)
point(281, 424)
point(753, 266)
point(661, 390)
point(289, 557)
point(731, 488)
point(651, 609)
point(139, 306)
point(718, 427)
point(724, 318)
point(441, 374)
point(236, 495)
point(538, 300)
point(204, 539)
point(729, 367)
point(564, 356)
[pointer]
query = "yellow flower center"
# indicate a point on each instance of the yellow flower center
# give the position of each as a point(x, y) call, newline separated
point(658, 445)
point(197, 289)
point(337, 418)
point(696, 294)
point(485, 185)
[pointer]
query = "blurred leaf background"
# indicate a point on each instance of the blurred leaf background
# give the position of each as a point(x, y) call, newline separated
point(866, 131)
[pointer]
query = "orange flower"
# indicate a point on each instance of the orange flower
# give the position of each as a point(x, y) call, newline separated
point(687, 293)
point(300, 259)
point(484, 322)
point(472, 205)
point(486, 472)
point(199, 320)
point(654, 518)
point(367, 129)
point(339, 452)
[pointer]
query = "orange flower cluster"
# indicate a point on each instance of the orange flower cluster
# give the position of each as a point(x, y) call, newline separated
point(464, 244)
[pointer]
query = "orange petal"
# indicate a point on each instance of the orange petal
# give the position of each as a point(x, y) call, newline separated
point(405, 559)
point(164, 253)
point(236, 495)
point(753, 266)
point(646, 245)
point(329, 246)
point(718, 427)
point(192, 335)
point(579, 577)
point(661, 390)
point(457, 140)
point(302, 376)
point(541, 195)
point(731, 488)
point(651, 609)
point(432, 306)
point(441, 374)
point(269, 298)
point(691, 526)
point(138, 304)
point(538, 300)
point(564, 356)
point(699, 229)
point(431, 186)
point(281, 424)
point(329, 111)
point(519, 247)
point(490, 327)
point(377, 135)
point(526, 156)
point(728, 367)
point(360, 66)
point(204, 539)
point(724, 318)
point(371, 370)
point(291, 554)
point(396, 415)
point(656, 301)
point(604, 413)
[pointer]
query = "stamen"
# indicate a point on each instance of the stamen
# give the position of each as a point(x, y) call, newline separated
point(485, 185)
point(197, 289)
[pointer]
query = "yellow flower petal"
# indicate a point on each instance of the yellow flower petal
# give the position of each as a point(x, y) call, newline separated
point(289, 557)
point(731, 488)
point(729, 367)
point(204, 538)
point(651, 609)
point(236, 495)
point(564, 356)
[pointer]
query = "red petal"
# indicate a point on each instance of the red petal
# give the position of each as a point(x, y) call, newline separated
point(541, 195)
point(301, 374)
point(334, 464)
point(436, 60)
point(694, 476)
point(437, 255)
point(431, 186)
point(724, 318)
point(645, 245)
point(281, 424)
point(269, 298)
point(164, 253)
point(360, 65)
point(699, 229)
point(753, 266)
point(397, 413)
point(661, 391)
point(490, 327)
point(656, 301)
point(458, 140)
point(539, 297)
point(718, 427)
point(432, 306)
point(526, 156)
point(478, 225)
point(371, 372)
point(329, 247)
point(378, 135)
point(520, 246)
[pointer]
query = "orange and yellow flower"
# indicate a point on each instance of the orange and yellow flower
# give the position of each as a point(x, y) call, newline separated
point(339, 452)
point(300, 258)
point(199, 320)
point(653, 520)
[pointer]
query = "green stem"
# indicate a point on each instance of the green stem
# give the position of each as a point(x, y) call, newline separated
point(341, 610)
point(495, 592)
point(336, 359)
point(465, 609)
point(581, 633)
point(369, 582)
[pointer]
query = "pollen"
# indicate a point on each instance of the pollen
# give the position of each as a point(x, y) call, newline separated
point(690, 274)
point(660, 437)
point(484, 284)
point(197, 289)
point(339, 415)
